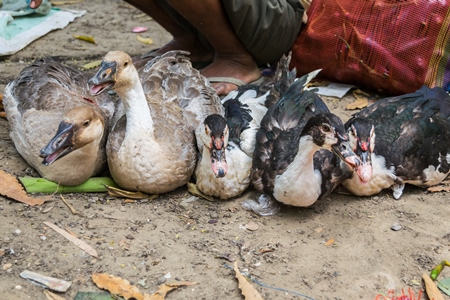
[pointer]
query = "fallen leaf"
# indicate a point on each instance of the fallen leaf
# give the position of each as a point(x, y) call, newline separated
point(47, 209)
point(52, 296)
point(362, 100)
point(117, 286)
point(192, 188)
point(3, 114)
point(439, 188)
point(431, 288)
point(58, 3)
point(92, 64)
point(147, 41)
point(329, 242)
point(10, 187)
point(116, 192)
point(79, 243)
point(163, 289)
point(86, 38)
point(247, 290)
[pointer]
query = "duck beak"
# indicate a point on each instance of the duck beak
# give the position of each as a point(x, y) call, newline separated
point(103, 79)
point(364, 171)
point(60, 145)
point(218, 160)
point(344, 152)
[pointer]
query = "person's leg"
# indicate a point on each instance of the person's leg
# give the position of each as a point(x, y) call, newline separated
point(231, 58)
point(183, 39)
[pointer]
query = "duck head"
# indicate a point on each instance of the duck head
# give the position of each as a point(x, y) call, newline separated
point(215, 138)
point(116, 70)
point(361, 132)
point(80, 127)
point(328, 132)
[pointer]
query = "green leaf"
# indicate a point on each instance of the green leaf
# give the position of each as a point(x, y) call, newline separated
point(444, 285)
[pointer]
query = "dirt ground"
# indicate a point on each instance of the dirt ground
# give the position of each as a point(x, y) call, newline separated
point(178, 237)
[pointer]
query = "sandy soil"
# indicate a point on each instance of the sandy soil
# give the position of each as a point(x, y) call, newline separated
point(187, 238)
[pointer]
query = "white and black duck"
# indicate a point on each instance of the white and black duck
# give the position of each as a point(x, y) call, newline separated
point(224, 166)
point(401, 140)
point(291, 132)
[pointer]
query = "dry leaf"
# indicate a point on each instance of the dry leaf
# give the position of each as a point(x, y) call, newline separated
point(116, 192)
point(3, 114)
point(439, 188)
point(93, 64)
point(163, 289)
point(117, 286)
point(52, 296)
point(147, 41)
point(57, 3)
point(79, 243)
point(431, 288)
point(10, 187)
point(362, 100)
point(86, 38)
point(329, 242)
point(248, 291)
point(192, 188)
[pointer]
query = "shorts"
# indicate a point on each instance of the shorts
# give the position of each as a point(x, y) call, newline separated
point(267, 29)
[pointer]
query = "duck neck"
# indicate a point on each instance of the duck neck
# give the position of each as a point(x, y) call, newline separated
point(304, 160)
point(136, 106)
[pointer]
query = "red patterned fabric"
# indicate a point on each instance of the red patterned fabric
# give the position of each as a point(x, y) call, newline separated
point(390, 46)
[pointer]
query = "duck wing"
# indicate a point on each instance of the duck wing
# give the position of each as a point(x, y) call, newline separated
point(36, 101)
point(184, 84)
point(401, 140)
point(277, 140)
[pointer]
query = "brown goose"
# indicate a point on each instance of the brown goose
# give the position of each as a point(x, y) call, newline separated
point(152, 148)
point(48, 97)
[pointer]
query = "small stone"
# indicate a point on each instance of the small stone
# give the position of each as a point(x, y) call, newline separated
point(396, 227)
point(17, 231)
point(123, 209)
point(43, 237)
point(252, 226)
point(7, 266)
point(18, 287)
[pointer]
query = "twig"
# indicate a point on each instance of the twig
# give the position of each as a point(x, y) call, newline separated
point(74, 212)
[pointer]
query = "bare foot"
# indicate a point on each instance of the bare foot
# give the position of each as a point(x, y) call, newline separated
point(239, 67)
point(198, 53)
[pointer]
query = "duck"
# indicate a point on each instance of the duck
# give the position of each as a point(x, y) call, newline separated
point(56, 126)
point(401, 140)
point(228, 139)
point(152, 148)
point(291, 132)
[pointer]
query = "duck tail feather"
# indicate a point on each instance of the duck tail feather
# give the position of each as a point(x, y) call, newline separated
point(265, 206)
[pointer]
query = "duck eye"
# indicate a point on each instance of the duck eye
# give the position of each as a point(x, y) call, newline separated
point(326, 127)
point(86, 123)
point(125, 64)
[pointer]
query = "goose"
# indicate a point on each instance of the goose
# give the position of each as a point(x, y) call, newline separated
point(55, 125)
point(401, 140)
point(291, 132)
point(228, 141)
point(152, 148)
